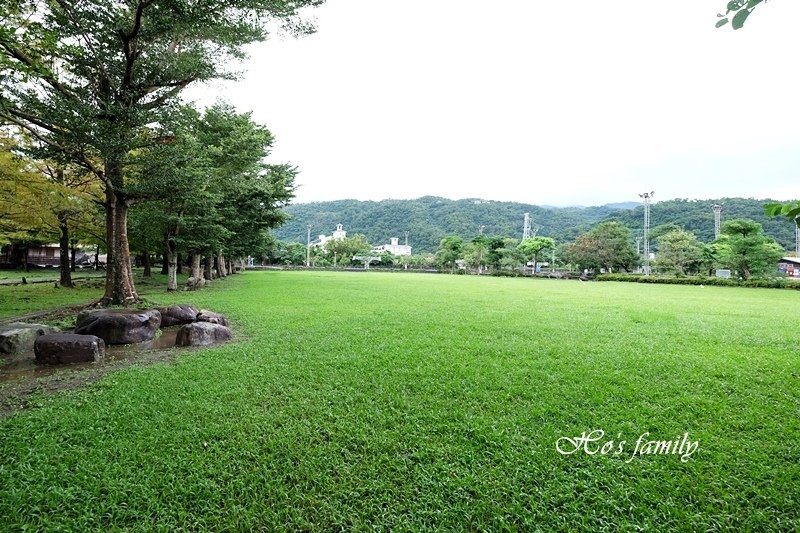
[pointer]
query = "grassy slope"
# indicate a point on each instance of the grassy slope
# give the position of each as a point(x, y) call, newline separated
point(406, 402)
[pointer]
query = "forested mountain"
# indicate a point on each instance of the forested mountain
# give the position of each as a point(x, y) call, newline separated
point(429, 219)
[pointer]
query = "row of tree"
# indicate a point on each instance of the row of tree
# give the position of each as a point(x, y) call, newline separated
point(91, 89)
point(742, 247)
point(429, 219)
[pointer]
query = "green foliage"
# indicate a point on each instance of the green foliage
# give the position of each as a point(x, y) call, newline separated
point(534, 246)
point(607, 246)
point(679, 252)
point(429, 403)
point(740, 9)
point(431, 219)
point(747, 250)
point(450, 250)
point(341, 251)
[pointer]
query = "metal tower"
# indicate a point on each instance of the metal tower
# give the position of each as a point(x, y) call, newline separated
point(717, 216)
point(526, 228)
point(647, 196)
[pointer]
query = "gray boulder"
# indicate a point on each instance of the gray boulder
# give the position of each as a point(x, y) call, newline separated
point(65, 348)
point(202, 334)
point(210, 316)
point(119, 326)
point(19, 337)
point(178, 314)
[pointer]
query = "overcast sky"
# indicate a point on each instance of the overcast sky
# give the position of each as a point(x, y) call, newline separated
point(574, 102)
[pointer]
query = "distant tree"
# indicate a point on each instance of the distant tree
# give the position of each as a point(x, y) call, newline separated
point(475, 253)
point(341, 251)
point(746, 249)
point(606, 246)
point(450, 250)
point(532, 247)
point(678, 252)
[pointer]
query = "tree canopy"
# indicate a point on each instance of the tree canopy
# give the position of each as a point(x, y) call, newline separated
point(90, 79)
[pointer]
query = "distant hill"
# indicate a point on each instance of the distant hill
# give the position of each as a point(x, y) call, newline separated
point(429, 219)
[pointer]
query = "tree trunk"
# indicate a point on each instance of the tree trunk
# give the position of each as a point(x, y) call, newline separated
point(63, 251)
point(221, 270)
point(120, 288)
point(208, 261)
point(180, 265)
point(171, 259)
point(97, 257)
point(146, 264)
point(231, 267)
point(197, 272)
point(165, 263)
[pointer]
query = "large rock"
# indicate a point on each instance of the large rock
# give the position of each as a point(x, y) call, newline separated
point(202, 334)
point(210, 316)
point(65, 348)
point(19, 337)
point(119, 326)
point(178, 314)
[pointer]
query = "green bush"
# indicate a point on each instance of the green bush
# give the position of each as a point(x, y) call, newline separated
point(774, 283)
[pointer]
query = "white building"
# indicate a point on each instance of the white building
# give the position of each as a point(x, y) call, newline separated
point(339, 235)
point(394, 248)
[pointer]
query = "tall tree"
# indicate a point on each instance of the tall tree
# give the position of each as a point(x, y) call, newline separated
point(450, 250)
point(88, 78)
point(747, 250)
point(606, 246)
point(532, 247)
point(679, 252)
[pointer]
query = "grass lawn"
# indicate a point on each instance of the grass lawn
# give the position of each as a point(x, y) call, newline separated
point(421, 402)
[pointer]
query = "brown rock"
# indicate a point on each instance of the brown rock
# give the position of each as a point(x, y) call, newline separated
point(65, 348)
point(210, 316)
point(202, 334)
point(178, 314)
point(119, 326)
point(19, 337)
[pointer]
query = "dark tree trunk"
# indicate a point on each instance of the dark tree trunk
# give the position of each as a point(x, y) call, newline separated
point(180, 264)
point(207, 264)
point(146, 264)
point(63, 251)
point(165, 262)
point(120, 288)
point(96, 264)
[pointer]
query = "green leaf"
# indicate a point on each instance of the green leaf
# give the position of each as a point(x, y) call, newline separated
point(753, 3)
point(739, 18)
point(721, 22)
point(735, 5)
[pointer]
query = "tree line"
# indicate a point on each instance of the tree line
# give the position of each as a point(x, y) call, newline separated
point(428, 220)
point(91, 113)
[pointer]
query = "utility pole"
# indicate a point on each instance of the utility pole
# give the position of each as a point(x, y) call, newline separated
point(308, 247)
point(406, 238)
point(717, 217)
point(647, 196)
point(480, 251)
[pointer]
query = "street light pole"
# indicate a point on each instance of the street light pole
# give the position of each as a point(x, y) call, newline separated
point(308, 246)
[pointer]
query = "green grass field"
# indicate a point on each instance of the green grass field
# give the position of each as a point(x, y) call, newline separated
point(367, 401)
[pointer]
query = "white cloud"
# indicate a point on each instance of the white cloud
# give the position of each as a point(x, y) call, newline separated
point(545, 102)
